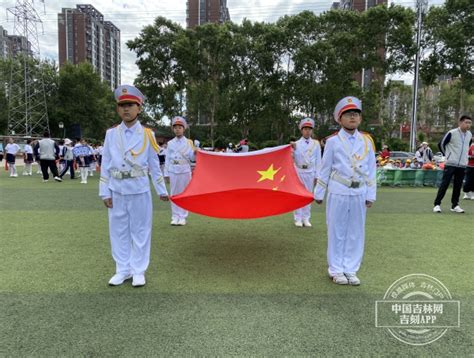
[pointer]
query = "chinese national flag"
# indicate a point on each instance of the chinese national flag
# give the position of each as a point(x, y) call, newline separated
point(244, 186)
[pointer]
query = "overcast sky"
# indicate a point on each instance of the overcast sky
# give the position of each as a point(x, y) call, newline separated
point(131, 17)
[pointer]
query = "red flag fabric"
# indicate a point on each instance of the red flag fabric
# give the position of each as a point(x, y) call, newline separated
point(244, 186)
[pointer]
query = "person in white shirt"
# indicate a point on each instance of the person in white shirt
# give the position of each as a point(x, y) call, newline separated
point(61, 162)
point(37, 156)
point(348, 175)
point(307, 158)
point(28, 157)
point(92, 160)
point(179, 155)
point(230, 148)
point(11, 149)
point(68, 156)
point(100, 149)
point(82, 153)
point(129, 156)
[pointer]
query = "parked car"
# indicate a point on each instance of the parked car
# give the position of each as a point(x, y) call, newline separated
point(402, 156)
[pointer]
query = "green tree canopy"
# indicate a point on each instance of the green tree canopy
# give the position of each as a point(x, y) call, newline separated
point(83, 99)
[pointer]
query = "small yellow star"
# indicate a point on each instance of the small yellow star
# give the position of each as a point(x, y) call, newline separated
point(267, 174)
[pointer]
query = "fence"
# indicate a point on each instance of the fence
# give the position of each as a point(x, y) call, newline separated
point(410, 177)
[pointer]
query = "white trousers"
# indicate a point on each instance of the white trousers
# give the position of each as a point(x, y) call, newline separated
point(12, 169)
point(130, 222)
point(308, 180)
point(178, 182)
point(83, 171)
point(345, 218)
point(27, 169)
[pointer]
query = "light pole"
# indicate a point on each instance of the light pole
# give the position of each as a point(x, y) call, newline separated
point(61, 126)
point(421, 4)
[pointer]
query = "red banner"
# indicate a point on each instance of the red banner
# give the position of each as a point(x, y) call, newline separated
point(244, 186)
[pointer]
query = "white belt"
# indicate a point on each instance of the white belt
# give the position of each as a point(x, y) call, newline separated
point(179, 162)
point(346, 182)
point(134, 173)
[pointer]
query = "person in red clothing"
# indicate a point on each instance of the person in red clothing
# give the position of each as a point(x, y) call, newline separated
point(385, 154)
point(468, 188)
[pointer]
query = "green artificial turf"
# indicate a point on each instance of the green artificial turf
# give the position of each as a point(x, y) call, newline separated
point(217, 287)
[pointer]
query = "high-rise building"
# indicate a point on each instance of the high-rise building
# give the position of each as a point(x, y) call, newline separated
point(83, 35)
point(359, 5)
point(18, 44)
point(3, 43)
point(199, 12)
point(363, 5)
point(12, 45)
point(342, 5)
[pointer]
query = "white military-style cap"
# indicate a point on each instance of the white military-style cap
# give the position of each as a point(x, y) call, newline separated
point(306, 122)
point(128, 94)
point(178, 120)
point(346, 104)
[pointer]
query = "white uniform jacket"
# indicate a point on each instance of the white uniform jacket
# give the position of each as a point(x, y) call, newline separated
point(179, 154)
point(348, 158)
point(307, 156)
point(137, 156)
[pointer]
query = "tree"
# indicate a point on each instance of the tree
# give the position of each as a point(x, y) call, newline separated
point(4, 81)
point(162, 77)
point(387, 46)
point(250, 79)
point(84, 100)
point(449, 103)
point(50, 75)
point(213, 62)
point(450, 42)
point(259, 79)
point(397, 109)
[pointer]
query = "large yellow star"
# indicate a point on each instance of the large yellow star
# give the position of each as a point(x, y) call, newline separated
point(267, 174)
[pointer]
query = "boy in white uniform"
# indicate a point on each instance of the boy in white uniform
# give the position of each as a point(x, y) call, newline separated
point(307, 157)
point(348, 173)
point(128, 156)
point(179, 155)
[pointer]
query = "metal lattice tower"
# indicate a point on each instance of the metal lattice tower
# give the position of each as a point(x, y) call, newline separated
point(27, 112)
